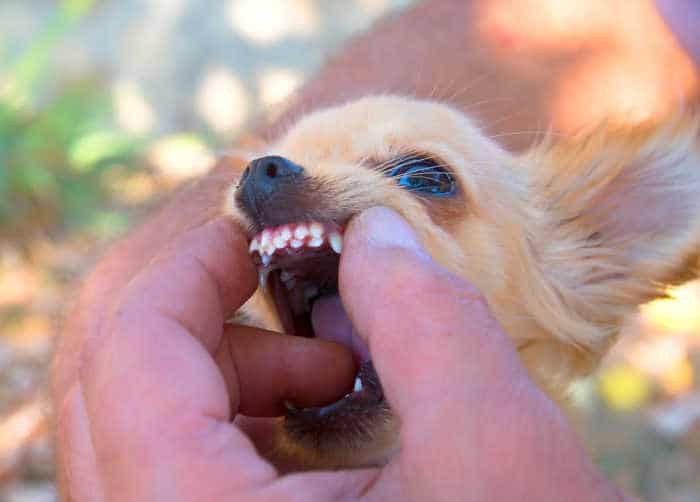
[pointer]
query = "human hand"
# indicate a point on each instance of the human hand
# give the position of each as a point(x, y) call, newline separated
point(149, 416)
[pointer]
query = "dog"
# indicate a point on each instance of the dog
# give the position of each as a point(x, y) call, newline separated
point(564, 241)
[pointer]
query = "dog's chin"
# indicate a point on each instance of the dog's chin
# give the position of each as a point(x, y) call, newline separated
point(298, 268)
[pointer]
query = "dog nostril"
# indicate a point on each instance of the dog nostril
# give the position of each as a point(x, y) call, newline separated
point(271, 170)
point(268, 174)
point(274, 168)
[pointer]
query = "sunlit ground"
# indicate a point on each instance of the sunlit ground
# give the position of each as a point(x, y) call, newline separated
point(170, 102)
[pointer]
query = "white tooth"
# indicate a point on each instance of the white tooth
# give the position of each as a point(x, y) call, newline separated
point(265, 259)
point(358, 385)
point(316, 229)
point(270, 248)
point(315, 242)
point(301, 232)
point(286, 234)
point(285, 276)
point(254, 246)
point(296, 243)
point(262, 275)
point(279, 242)
point(289, 284)
point(336, 241)
point(265, 239)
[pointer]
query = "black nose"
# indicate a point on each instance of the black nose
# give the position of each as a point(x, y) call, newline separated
point(265, 185)
point(266, 174)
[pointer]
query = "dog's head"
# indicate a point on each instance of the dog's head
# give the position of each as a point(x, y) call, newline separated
point(563, 241)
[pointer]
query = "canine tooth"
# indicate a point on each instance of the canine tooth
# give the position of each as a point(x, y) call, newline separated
point(279, 242)
point(262, 276)
point(286, 234)
point(265, 259)
point(358, 385)
point(301, 231)
point(315, 242)
point(285, 276)
point(295, 243)
point(254, 246)
point(336, 242)
point(289, 284)
point(316, 230)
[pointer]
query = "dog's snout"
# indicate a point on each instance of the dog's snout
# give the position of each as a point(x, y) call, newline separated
point(268, 186)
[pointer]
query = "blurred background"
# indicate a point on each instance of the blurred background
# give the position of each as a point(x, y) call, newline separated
point(106, 106)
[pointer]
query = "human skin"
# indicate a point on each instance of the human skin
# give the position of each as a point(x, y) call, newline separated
point(155, 399)
point(465, 63)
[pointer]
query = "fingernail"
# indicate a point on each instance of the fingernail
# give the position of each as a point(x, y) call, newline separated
point(384, 227)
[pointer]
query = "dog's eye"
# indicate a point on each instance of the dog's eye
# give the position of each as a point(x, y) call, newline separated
point(421, 174)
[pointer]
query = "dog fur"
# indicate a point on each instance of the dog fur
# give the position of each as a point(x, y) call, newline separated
point(564, 241)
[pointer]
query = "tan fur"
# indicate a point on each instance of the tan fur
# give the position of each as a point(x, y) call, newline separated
point(564, 241)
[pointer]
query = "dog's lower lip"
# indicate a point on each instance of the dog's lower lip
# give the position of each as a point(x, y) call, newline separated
point(366, 392)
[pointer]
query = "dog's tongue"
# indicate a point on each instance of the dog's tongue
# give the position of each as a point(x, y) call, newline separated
point(331, 322)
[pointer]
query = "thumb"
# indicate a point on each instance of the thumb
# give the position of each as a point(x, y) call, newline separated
point(434, 344)
point(473, 426)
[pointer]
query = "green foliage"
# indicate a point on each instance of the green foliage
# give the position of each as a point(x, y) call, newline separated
point(53, 154)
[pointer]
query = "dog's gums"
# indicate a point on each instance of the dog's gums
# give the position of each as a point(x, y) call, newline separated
point(564, 241)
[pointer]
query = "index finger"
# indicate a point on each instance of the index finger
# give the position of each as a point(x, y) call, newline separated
point(199, 281)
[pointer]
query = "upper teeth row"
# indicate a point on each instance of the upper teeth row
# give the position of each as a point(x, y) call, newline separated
point(294, 236)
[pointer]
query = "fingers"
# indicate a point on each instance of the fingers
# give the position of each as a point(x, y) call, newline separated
point(158, 404)
point(198, 282)
point(431, 336)
point(268, 368)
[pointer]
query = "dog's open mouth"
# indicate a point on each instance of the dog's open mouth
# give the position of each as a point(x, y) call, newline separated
point(298, 265)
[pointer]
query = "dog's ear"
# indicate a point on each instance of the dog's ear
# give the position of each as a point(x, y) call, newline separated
point(620, 215)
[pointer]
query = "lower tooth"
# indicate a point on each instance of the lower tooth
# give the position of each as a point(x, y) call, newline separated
point(266, 258)
point(358, 385)
point(262, 277)
point(336, 242)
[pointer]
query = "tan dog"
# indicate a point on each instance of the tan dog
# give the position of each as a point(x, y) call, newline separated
point(564, 241)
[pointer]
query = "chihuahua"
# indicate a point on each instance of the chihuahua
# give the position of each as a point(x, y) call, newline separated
point(564, 241)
